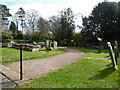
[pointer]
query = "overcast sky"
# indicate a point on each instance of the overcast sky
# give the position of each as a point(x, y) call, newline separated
point(47, 8)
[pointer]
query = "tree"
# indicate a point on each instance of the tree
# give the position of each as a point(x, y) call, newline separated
point(118, 22)
point(6, 35)
point(3, 16)
point(67, 25)
point(16, 20)
point(104, 16)
point(14, 30)
point(19, 35)
point(13, 27)
point(32, 18)
point(21, 16)
point(54, 23)
point(43, 27)
point(5, 12)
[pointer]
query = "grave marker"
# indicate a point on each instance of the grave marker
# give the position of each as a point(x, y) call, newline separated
point(116, 52)
point(55, 45)
point(47, 43)
point(112, 55)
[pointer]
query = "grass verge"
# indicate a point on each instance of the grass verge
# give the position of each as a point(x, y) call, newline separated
point(94, 52)
point(84, 73)
point(12, 54)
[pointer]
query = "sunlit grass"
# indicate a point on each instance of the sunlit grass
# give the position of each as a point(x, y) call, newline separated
point(12, 54)
point(84, 73)
point(94, 52)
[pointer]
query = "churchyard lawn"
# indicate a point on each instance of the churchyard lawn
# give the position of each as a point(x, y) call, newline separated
point(12, 54)
point(84, 73)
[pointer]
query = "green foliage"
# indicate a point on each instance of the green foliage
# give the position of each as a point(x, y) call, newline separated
point(103, 21)
point(14, 30)
point(67, 24)
point(77, 38)
point(19, 35)
point(12, 54)
point(44, 28)
point(5, 12)
point(6, 35)
point(13, 27)
point(118, 21)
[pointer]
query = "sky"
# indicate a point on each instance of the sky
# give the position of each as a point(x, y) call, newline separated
point(47, 8)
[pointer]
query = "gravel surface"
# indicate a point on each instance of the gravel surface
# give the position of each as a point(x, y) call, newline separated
point(38, 67)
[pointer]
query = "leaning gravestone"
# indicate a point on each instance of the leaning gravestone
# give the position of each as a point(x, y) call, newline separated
point(55, 45)
point(112, 55)
point(116, 52)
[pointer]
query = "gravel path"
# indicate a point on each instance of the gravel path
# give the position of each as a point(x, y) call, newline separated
point(38, 67)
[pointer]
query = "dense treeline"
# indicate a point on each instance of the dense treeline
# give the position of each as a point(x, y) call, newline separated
point(103, 22)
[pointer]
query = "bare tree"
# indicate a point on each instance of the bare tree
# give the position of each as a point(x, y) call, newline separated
point(31, 22)
point(32, 18)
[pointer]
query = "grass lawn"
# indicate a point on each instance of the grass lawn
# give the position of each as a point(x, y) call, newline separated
point(94, 52)
point(84, 73)
point(12, 54)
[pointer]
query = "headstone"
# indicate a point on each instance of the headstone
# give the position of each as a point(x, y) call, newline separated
point(100, 46)
point(112, 55)
point(34, 43)
point(35, 49)
point(39, 46)
point(116, 52)
point(10, 44)
point(50, 43)
point(42, 44)
point(55, 45)
point(47, 43)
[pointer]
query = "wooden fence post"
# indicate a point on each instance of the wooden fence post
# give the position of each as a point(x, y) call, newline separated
point(112, 55)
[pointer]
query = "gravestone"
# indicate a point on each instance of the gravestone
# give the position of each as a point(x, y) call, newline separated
point(100, 46)
point(34, 43)
point(112, 55)
point(10, 44)
point(47, 43)
point(55, 45)
point(116, 52)
point(42, 44)
point(50, 43)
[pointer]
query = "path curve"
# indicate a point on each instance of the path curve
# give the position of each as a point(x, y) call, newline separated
point(38, 67)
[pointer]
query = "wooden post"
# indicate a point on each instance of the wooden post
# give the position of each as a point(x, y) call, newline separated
point(112, 55)
point(21, 74)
